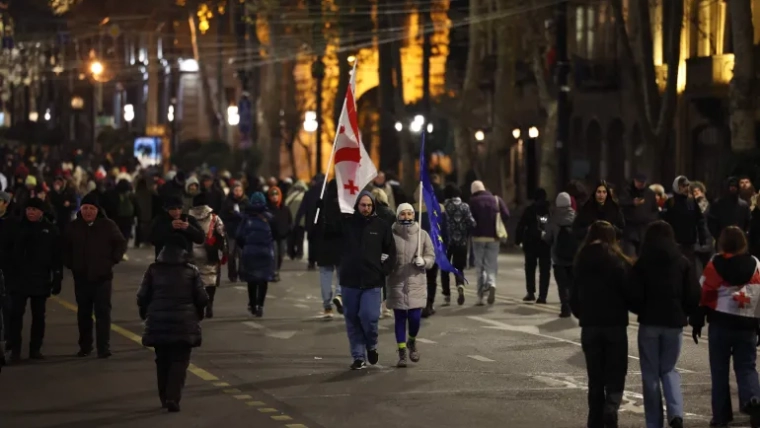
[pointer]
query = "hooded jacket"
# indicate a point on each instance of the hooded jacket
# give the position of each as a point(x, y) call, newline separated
point(171, 299)
point(407, 284)
point(255, 238)
point(561, 217)
point(722, 281)
point(364, 241)
point(282, 219)
point(294, 199)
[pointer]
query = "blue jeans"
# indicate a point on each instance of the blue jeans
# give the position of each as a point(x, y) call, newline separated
point(325, 282)
point(361, 309)
point(486, 264)
point(659, 348)
point(742, 345)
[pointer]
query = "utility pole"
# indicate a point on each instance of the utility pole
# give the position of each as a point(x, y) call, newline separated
point(563, 98)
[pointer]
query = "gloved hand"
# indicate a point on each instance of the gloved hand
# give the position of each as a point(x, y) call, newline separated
point(419, 262)
point(383, 257)
point(696, 333)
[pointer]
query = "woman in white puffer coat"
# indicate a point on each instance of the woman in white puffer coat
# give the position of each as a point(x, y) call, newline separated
point(208, 264)
point(407, 284)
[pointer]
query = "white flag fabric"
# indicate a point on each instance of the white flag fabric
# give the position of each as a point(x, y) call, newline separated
point(742, 300)
point(353, 167)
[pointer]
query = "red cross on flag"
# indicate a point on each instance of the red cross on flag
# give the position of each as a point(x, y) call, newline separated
point(731, 299)
point(353, 167)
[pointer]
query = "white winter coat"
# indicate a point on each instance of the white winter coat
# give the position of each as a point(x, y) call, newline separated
point(407, 284)
point(209, 271)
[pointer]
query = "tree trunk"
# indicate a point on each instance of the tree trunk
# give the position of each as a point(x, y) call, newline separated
point(741, 89)
point(464, 145)
point(271, 132)
point(547, 170)
point(214, 117)
point(408, 177)
point(389, 154)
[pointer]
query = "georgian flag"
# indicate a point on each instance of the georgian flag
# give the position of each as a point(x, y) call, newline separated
point(731, 299)
point(353, 167)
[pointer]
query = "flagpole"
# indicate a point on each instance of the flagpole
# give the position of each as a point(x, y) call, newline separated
point(335, 142)
point(422, 190)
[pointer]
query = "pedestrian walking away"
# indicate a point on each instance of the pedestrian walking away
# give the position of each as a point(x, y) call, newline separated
point(257, 262)
point(171, 301)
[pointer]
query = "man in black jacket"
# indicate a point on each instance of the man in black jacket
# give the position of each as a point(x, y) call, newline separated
point(686, 218)
point(729, 210)
point(35, 272)
point(639, 205)
point(530, 230)
point(175, 222)
point(369, 254)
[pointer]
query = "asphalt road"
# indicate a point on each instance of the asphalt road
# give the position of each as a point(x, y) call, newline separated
point(511, 365)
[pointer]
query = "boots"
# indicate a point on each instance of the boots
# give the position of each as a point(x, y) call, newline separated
point(401, 358)
point(414, 354)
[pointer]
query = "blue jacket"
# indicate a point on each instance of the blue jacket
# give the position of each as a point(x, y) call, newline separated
point(254, 236)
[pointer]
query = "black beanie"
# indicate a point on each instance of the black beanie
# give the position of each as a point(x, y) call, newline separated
point(175, 240)
point(36, 203)
point(91, 199)
point(200, 200)
point(173, 202)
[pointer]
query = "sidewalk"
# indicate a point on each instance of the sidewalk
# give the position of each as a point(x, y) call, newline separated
point(65, 391)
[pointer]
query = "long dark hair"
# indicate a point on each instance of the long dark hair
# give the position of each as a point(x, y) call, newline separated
point(659, 239)
point(603, 232)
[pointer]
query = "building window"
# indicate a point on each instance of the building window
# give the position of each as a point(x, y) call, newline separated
point(580, 31)
point(590, 30)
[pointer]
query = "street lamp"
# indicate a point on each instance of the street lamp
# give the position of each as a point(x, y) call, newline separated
point(170, 114)
point(533, 132)
point(399, 126)
point(480, 135)
point(96, 68)
point(33, 116)
point(77, 103)
point(129, 113)
point(516, 133)
point(233, 118)
point(430, 128)
point(310, 123)
point(351, 59)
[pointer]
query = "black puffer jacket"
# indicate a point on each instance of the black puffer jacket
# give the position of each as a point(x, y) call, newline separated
point(171, 300)
point(36, 258)
point(328, 229)
point(599, 297)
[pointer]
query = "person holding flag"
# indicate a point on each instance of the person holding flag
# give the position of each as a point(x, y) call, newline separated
point(435, 217)
point(368, 250)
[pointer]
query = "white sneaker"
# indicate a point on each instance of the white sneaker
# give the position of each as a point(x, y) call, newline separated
point(125, 257)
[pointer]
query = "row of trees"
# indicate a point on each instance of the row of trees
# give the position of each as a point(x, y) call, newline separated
point(273, 35)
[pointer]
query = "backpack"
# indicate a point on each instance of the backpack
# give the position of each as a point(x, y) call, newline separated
point(565, 245)
point(126, 207)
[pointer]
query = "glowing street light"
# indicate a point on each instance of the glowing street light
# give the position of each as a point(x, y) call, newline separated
point(430, 128)
point(129, 112)
point(399, 126)
point(33, 116)
point(351, 59)
point(533, 132)
point(310, 123)
point(233, 118)
point(170, 114)
point(77, 103)
point(480, 135)
point(516, 133)
point(47, 116)
point(96, 68)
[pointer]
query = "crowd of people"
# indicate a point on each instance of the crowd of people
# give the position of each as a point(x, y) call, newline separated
point(642, 251)
point(636, 251)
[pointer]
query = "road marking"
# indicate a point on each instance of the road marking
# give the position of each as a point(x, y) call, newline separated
point(534, 331)
point(241, 288)
point(301, 306)
point(296, 426)
point(282, 418)
point(481, 359)
point(428, 341)
point(195, 370)
point(280, 334)
point(255, 325)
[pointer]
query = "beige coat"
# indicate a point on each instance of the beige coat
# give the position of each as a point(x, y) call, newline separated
point(209, 271)
point(407, 284)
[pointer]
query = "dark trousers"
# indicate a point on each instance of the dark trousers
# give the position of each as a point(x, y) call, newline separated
point(457, 255)
point(295, 243)
point(724, 344)
point(171, 370)
point(538, 257)
point(18, 308)
point(280, 248)
point(211, 291)
point(233, 260)
point(606, 352)
point(6, 319)
point(94, 297)
point(257, 293)
point(432, 284)
point(313, 250)
point(563, 276)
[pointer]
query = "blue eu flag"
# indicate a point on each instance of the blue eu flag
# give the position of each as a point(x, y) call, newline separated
point(435, 216)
